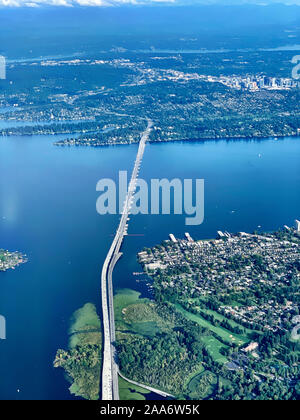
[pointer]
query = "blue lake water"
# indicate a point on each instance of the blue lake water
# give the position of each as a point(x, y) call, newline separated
point(48, 211)
point(294, 47)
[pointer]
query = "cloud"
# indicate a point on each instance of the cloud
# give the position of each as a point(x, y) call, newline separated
point(98, 3)
point(101, 3)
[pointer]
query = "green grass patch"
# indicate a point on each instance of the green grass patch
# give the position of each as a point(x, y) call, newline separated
point(136, 315)
point(224, 382)
point(233, 323)
point(214, 346)
point(123, 299)
point(221, 332)
point(192, 375)
point(128, 391)
point(202, 385)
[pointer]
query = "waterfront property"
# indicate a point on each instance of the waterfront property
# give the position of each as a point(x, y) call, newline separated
point(11, 259)
point(234, 265)
point(45, 220)
point(242, 293)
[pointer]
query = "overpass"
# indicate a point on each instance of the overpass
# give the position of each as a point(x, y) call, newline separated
point(110, 389)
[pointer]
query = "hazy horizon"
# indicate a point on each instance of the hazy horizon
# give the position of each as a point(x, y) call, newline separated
point(119, 3)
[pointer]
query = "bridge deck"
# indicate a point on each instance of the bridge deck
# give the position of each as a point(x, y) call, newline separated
point(110, 369)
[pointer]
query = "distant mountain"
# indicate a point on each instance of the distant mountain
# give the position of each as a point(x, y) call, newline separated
point(49, 30)
point(238, 2)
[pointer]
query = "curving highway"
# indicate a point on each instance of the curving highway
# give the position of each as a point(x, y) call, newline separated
point(110, 389)
point(149, 388)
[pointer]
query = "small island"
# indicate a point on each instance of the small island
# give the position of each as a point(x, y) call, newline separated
point(11, 259)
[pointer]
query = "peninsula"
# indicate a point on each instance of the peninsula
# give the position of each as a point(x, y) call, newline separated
point(222, 324)
point(82, 361)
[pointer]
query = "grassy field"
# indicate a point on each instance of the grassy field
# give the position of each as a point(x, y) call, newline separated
point(140, 316)
point(233, 323)
point(136, 315)
point(131, 392)
point(122, 299)
point(213, 346)
point(221, 332)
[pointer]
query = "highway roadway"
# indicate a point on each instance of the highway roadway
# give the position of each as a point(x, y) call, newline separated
point(149, 388)
point(110, 389)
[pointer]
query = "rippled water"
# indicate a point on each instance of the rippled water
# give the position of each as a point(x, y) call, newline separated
point(48, 210)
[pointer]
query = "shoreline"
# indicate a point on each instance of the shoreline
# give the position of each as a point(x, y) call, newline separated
point(231, 139)
point(11, 260)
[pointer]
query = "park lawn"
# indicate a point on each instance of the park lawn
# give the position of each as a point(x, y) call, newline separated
point(221, 332)
point(128, 391)
point(233, 323)
point(213, 346)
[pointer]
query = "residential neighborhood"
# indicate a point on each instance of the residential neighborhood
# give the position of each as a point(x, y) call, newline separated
point(10, 259)
point(232, 265)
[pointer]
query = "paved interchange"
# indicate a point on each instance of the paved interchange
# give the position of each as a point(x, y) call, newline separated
point(110, 389)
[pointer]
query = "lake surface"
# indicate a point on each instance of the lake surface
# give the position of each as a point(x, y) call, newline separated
point(294, 47)
point(48, 211)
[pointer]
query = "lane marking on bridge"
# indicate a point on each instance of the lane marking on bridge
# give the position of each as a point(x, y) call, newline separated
point(110, 388)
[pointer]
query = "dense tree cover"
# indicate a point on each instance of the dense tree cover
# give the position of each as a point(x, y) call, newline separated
point(189, 109)
point(82, 365)
point(271, 371)
point(168, 359)
point(164, 360)
point(82, 361)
